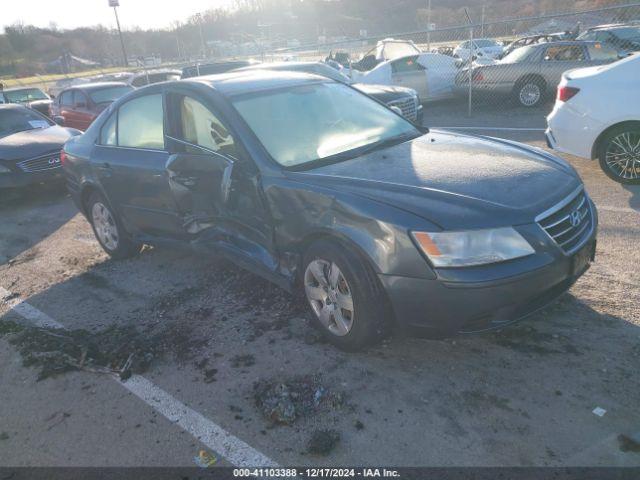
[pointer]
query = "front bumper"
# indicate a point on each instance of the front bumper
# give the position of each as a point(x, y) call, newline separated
point(439, 308)
point(23, 179)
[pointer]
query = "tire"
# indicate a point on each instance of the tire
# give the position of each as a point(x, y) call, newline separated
point(621, 144)
point(529, 92)
point(108, 229)
point(350, 330)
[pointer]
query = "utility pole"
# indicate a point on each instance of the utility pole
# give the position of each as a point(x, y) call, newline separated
point(482, 23)
point(203, 49)
point(115, 4)
point(429, 25)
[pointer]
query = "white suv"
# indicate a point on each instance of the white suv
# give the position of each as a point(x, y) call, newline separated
point(597, 115)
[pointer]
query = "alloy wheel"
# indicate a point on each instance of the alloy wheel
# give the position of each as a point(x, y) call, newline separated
point(105, 226)
point(330, 296)
point(623, 155)
point(530, 94)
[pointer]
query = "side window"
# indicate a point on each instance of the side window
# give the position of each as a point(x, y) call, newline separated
point(108, 132)
point(79, 99)
point(66, 98)
point(199, 126)
point(408, 64)
point(139, 81)
point(564, 53)
point(599, 52)
point(140, 123)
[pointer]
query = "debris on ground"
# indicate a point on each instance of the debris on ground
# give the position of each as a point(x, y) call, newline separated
point(115, 350)
point(282, 402)
point(4, 436)
point(322, 442)
point(205, 459)
point(629, 443)
point(359, 425)
point(243, 361)
point(599, 411)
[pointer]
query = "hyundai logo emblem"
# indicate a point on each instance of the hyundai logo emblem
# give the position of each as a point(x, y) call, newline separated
point(575, 218)
point(54, 160)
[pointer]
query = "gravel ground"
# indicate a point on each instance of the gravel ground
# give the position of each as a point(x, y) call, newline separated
point(246, 357)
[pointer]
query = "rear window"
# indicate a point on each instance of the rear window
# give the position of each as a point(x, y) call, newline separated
point(601, 52)
point(109, 94)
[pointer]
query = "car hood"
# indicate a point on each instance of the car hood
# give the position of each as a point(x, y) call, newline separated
point(35, 142)
point(455, 181)
point(384, 93)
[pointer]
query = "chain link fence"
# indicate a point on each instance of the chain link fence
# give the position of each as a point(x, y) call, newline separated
point(481, 64)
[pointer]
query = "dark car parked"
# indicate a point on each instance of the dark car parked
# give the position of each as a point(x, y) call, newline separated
point(31, 97)
point(30, 145)
point(315, 186)
point(623, 38)
point(78, 106)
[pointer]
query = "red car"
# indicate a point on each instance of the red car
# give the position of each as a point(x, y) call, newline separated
point(78, 106)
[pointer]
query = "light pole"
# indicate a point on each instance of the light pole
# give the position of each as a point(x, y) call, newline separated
point(202, 46)
point(115, 4)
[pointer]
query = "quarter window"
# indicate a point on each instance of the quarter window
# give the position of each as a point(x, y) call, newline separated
point(199, 126)
point(108, 132)
point(140, 123)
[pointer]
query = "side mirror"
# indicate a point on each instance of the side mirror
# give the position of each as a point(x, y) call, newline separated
point(59, 120)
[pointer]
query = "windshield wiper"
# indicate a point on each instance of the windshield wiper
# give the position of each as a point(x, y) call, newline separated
point(389, 142)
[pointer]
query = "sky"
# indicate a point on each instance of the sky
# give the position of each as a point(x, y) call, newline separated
point(78, 13)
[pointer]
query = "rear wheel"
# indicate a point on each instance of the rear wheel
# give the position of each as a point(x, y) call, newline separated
point(529, 92)
point(619, 154)
point(345, 297)
point(108, 229)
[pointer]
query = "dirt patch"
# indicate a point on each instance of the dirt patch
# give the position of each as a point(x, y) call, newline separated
point(122, 350)
point(530, 341)
point(322, 442)
point(240, 361)
point(629, 444)
point(283, 402)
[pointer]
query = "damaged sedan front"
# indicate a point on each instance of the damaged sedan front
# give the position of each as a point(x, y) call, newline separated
point(318, 188)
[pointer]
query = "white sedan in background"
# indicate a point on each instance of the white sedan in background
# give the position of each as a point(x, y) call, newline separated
point(432, 75)
point(597, 115)
point(482, 48)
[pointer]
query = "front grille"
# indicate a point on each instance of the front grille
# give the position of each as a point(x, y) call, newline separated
point(570, 222)
point(409, 107)
point(49, 161)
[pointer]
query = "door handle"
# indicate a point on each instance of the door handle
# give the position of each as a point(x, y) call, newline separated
point(105, 166)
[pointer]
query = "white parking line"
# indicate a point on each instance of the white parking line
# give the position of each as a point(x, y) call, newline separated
point(234, 450)
point(508, 129)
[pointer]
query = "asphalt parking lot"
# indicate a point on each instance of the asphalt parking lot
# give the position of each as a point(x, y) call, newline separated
point(226, 345)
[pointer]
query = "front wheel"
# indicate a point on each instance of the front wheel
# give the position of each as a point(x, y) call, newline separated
point(345, 296)
point(619, 154)
point(108, 230)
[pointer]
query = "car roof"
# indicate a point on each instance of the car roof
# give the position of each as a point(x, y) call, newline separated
point(246, 81)
point(15, 89)
point(97, 86)
point(13, 106)
point(613, 26)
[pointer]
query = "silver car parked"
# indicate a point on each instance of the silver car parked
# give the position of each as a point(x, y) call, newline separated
point(530, 73)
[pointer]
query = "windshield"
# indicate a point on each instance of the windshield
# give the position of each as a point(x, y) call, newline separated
point(109, 94)
point(14, 120)
point(392, 50)
point(518, 55)
point(486, 43)
point(313, 122)
point(629, 33)
point(25, 95)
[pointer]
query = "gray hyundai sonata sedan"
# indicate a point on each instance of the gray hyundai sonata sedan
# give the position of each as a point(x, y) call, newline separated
point(323, 190)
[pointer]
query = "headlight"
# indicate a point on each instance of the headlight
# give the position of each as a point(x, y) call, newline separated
point(4, 169)
point(474, 247)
